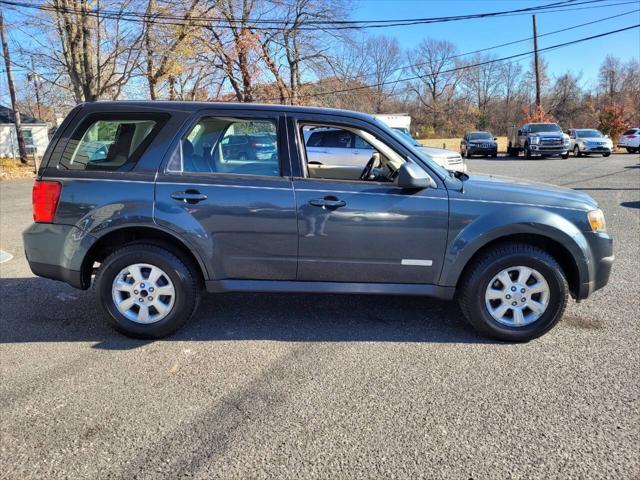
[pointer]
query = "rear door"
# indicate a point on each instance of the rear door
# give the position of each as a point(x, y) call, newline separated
point(238, 210)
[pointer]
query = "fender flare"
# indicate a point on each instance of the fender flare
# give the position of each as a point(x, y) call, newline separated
point(515, 221)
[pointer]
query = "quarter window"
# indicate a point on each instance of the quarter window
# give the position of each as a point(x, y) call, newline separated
point(109, 144)
point(231, 145)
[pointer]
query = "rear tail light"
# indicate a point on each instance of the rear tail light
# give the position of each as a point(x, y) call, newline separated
point(45, 196)
point(631, 136)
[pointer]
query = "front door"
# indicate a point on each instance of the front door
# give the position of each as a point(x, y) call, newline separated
point(368, 231)
point(235, 205)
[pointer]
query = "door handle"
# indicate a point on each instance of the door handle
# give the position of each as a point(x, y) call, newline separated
point(189, 196)
point(330, 202)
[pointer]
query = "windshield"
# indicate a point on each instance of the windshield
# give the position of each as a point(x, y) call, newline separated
point(589, 134)
point(480, 136)
point(544, 127)
point(411, 143)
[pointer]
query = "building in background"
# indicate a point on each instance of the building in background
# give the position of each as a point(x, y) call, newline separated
point(36, 134)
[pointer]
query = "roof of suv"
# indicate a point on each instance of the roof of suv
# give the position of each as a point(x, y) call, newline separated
point(195, 106)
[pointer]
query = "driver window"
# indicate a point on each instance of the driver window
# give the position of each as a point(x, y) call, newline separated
point(347, 153)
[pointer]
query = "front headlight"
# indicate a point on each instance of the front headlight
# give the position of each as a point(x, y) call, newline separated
point(596, 220)
point(535, 140)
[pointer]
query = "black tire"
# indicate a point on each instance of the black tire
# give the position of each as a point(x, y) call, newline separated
point(631, 150)
point(468, 154)
point(482, 270)
point(527, 152)
point(564, 156)
point(494, 155)
point(576, 151)
point(606, 154)
point(181, 274)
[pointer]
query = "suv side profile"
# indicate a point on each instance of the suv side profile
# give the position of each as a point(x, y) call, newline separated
point(162, 211)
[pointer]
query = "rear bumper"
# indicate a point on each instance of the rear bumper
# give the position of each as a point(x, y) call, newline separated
point(601, 262)
point(57, 252)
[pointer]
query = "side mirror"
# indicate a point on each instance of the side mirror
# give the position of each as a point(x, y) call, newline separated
point(495, 138)
point(412, 177)
point(519, 133)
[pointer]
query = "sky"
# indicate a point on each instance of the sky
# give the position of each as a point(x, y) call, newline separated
point(470, 35)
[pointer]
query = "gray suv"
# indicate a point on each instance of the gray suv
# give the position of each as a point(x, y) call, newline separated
point(163, 211)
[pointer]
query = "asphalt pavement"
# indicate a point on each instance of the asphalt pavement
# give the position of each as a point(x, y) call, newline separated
point(326, 386)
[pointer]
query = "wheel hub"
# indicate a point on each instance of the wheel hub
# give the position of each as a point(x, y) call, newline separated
point(143, 293)
point(517, 296)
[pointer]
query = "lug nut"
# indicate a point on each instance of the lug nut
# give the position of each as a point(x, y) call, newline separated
point(513, 289)
point(508, 297)
point(151, 289)
point(514, 303)
point(135, 292)
point(142, 285)
point(523, 299)
point(151, 298)
point(141, 299)
point(522, 291)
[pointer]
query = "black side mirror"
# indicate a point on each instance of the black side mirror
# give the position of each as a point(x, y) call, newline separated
point(495, 138)
point(411, 176)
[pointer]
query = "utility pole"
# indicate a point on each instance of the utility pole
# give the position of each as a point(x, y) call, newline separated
point(535, 56)
point(12, 92)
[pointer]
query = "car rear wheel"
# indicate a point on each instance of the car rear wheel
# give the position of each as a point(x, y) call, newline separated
point(631, 150)
point(146, 291)
point(606, 154)
point(514, 292)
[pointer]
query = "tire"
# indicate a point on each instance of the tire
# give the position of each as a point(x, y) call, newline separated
point(606, 154)
point(564, 156)
point(631, 150)
point(483, 270)
point(527, 152)
point(177, 274)
point(576, 151)
point(494, 155)
point(468, 154)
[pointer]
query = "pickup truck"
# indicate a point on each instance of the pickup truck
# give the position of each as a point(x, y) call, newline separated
point(545, 139)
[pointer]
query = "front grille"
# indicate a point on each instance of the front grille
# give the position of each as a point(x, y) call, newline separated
point(550, 141)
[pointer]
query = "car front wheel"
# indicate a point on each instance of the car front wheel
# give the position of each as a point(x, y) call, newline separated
point(146, 291)
point(514, 292)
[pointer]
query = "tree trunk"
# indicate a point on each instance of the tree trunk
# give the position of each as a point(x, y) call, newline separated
point(12, 92)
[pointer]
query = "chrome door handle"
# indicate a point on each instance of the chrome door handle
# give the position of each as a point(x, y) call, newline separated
point(189, 196)
point(327, 202)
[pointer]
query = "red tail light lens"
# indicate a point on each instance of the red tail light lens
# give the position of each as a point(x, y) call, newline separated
point(631, 136)
point(45, 196)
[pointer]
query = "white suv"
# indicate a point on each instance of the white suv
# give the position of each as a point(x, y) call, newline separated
point(630, 140)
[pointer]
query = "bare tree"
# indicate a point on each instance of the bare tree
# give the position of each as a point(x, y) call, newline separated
point(99, 54)
point(482, 83)
point(12, 91)
point(434, 62)
point(383, 53)
point(566, 99)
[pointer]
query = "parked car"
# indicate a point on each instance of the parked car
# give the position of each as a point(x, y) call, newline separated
point(478, 143)
point(342, 149)
point(630, 140)
point(584, 141)
point(244, 147)
point(151, 226)
point(545, 139)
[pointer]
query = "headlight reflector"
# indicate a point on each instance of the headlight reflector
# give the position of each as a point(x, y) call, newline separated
point(535, 140)
point(596, 220)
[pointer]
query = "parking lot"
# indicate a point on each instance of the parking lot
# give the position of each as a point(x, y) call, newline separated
point(326, 386)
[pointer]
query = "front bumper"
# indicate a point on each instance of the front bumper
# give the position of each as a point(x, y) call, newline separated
point(600, 263)
point(548, 151)
point(483, 150)
point(598, 149)
point(57, 252)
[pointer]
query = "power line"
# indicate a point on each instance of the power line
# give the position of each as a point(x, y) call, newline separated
point(164, 19)
point(464, 67)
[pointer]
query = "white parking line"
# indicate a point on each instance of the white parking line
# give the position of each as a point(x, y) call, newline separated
point(5, 256)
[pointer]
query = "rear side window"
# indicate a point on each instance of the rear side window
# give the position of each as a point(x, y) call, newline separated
point(630, 132)
point(232, 146)
point(106, 142)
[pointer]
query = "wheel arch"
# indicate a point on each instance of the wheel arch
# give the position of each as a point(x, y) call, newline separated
point(558, 237)
point(116, 238)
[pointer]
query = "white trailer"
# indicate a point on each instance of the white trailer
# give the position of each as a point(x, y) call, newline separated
point(398, 121)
